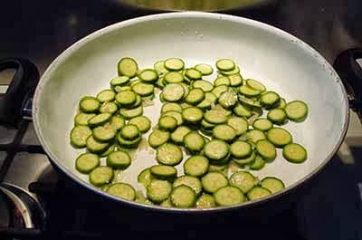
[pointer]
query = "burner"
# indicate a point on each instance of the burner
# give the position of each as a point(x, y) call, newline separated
point(19, 211)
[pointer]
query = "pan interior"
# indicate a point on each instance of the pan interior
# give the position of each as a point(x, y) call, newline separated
point(281, 62)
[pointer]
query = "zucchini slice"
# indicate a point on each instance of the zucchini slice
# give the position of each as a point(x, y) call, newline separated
point(229, 196)
point(169, 154)
point(295, 153)
point(196, 166)
point(183, 197)
point(122, 190)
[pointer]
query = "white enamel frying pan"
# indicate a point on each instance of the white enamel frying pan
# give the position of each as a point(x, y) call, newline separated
point(281, 61)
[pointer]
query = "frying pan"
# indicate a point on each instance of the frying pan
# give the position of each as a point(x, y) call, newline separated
point(281, 61)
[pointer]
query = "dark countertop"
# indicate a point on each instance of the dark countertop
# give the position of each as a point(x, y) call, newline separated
point(40, 30)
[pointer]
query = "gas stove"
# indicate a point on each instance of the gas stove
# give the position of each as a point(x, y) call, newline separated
point(38, 203)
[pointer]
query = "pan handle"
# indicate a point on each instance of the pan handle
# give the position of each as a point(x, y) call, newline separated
point(18, 95)
point(350, 72)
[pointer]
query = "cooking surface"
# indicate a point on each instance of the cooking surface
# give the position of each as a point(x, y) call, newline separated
point(331, 209)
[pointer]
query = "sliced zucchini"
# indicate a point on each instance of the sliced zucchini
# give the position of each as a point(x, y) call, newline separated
point(240, 149)
point(205, 86)
point(269, 99)
point(223, 169)
point(225, 64)
point(262, 124)
point(163, 172)
point(167, 203)
point(82, 118)
point(195, 96)
point(193, 74)
point(192, 182)
point(126, 98)
point(222, 81)
point(255, 85)
point(178, 135)
point(79, 136)
point(216, 150)
point(183, 197)
point(171, 107)
point(235, 71)
point(228, 99)
point(143, 89)
point(131, 112)
point(205, 69)
point(106, 95)
point(246, 160)
point(242, 110)
point(235, 78)
point(277, 116)
point(295, 153)
point(174, 64)
point(248, 91)
point(173, 77)
point(108, 151)
point(205, 201)
point(296, 111)
point(192, 115)
point(194, 142)
point(104, 133)
point(273, 184)
point(243, 180)
point(117, 122)
point(122, 190)
point(99, 119)
point(207, 126)
point(239, 124)
point(169, 154)
point(86, 162)
point(128, 143)
point(130, 132)
point(208, 101)
point(219, 90)
point(266, 150)
point(258, 163)
point(215, 117)
point(279, 137)
point(173, 92)
point(127, 67)
point(100, 176)
point(229, 196)
point(255, 135)
point(89, 104)
point(148, 75)
point(282, 103)
point(213, 181)
point(176, 115)
point(224, 132)
point(142, 123)
point(196, 166)
point(145, 177)
point(119, 160)
point(94, 146)
point(258, 193)
point(158, 190)
point(158, 137)
point(119, 81)
point(167, 123)
point(250, 102)
point(159, 66)
point(118, 89)
point(108, 107)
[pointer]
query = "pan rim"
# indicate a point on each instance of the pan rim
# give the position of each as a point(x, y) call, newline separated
point(162, 16)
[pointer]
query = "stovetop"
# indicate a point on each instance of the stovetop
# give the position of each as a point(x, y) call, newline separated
point(329, 209)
